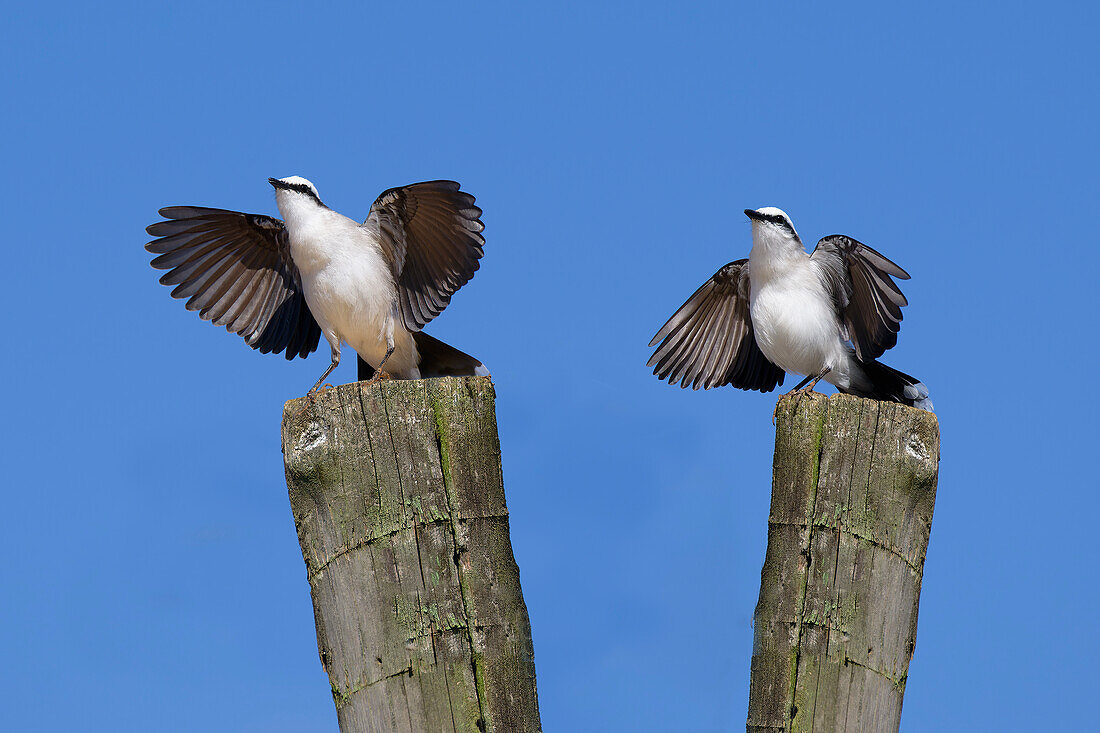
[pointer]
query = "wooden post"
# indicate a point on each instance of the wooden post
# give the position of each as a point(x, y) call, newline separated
point(398, 499)
point(853, 488)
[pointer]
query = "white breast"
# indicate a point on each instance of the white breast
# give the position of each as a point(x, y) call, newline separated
point(794, 319)
point(349, 286)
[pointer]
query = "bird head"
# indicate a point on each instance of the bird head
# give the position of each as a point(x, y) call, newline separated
point(771, 223)
point(294, 186)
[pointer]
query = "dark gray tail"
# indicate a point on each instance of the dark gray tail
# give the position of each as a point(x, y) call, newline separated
point(890, 385)
point(437, 359)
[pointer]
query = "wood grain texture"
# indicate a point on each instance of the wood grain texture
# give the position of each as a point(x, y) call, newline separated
point(853, 490)
point(398, 499)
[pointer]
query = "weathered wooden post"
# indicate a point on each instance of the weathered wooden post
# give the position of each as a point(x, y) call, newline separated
point(398, 498)
point(853, 489)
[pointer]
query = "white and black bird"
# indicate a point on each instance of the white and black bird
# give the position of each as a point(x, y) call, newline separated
point(827, 315)
point(280, 284)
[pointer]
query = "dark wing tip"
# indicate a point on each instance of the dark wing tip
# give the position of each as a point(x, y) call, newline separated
point(170, 214)
point(184, 212)
point(235, 270)
point(443, 183)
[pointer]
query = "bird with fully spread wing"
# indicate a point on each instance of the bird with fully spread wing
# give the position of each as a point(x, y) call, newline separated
point(280, 284)
point(827, 315)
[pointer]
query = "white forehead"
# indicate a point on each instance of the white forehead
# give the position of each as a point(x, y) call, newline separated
point(298, 180)
point(773, 211)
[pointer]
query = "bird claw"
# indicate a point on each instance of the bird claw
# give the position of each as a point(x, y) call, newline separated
point(378, 377)
point(799, 393)
point(798, 398)
point(311, 397)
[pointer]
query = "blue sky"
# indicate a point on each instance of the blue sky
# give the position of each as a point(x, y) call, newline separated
point(152, 576)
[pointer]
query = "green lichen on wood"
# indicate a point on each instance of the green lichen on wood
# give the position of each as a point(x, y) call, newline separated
point(441, 439)
point(398, 500)
point(442, 420)
point(853, 493)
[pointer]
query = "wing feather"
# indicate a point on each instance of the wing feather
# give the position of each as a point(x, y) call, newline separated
point(870, 302)
point(709, 342)
point(235, 269)
point(431, 233)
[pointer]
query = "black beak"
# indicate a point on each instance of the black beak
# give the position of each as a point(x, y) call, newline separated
point(276, 183)
point(754, 215)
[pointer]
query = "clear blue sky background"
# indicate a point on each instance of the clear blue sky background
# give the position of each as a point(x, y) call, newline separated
point(152, 578)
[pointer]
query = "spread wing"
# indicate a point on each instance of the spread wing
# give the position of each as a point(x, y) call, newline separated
point(432, 236)
point(709, 341)
point(858, 278)
point(235, 270)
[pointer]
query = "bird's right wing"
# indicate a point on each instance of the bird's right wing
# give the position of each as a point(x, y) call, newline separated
point(431, 234)
point(236, 270)
point(858, 279)
point(709, 341)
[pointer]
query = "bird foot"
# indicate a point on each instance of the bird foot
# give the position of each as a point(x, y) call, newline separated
point(311, 398)
point(378, 377)
point(799, 396)
point(803, 390)
point(799, 393)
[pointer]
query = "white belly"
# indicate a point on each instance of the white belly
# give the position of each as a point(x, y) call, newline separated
point(351, 293)
point(795, 324)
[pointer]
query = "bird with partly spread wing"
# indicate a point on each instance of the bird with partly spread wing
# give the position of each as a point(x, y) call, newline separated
point(827, 315)
point(281, 284)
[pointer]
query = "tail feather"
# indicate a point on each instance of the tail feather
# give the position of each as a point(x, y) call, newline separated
point(437, 359)
point(890, 385)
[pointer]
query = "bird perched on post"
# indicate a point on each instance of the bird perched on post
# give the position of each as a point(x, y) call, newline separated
point(827, 315)
point(280, 284)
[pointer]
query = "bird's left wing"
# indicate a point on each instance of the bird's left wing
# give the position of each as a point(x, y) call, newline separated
point(709, 341)
point(432, 236)
point(235, 269)
point(858, 278)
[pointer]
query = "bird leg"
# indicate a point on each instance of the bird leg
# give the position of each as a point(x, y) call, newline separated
point(312, 393)
point(812, 380)
point(387, 333)
point(335, 361)
point(801, 384)
point(809, 387)
point(379, 375)
point(818, 378)
point(317, 386)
